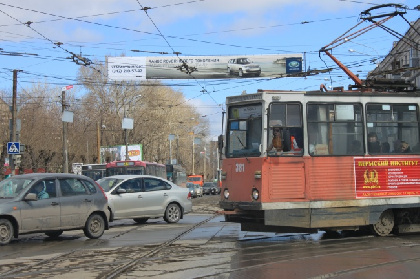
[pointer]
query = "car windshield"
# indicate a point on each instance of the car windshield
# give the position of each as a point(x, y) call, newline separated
point(194, 178)
point(12, 187)
point(208, 185)
point(244, 61)
point(108, 183)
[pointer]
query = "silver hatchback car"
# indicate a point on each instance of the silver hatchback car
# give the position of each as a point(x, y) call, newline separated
point(51, 203)
point(141, 197)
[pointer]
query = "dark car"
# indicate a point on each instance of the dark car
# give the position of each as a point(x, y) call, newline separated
point(51, 203)
point(216, 189)
point(207, 188)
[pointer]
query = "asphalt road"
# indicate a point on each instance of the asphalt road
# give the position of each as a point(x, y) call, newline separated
point(203, 245)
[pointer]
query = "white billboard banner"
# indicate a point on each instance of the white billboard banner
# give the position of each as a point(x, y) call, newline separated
point(127, 68)
point(203, 67)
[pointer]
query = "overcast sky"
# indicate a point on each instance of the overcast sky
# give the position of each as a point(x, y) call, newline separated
point(99, 28)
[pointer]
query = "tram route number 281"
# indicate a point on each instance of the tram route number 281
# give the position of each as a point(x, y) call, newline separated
point(240, 168)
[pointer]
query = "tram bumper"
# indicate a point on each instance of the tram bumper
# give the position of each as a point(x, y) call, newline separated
point(253, 216)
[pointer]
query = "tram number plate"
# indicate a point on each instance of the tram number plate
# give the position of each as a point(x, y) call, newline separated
point(240, 167)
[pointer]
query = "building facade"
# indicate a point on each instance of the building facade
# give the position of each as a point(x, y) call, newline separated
point(403, 61)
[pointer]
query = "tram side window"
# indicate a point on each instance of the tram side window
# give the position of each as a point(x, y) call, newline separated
point(395, 126)
point(335, 129)
point(285, 133)
point(244, 131)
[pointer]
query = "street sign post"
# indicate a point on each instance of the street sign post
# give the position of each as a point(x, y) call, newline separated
point(13, 148)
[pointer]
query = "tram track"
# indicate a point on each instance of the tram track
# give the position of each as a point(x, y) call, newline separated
point(217, 250)
point(95, 262)
point(276, 255)
point(121, 269)
point(12, 273)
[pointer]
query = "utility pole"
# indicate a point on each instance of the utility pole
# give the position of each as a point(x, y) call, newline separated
point(204, 163)
point(98, 143)
point(13, 121)
point(65, 149)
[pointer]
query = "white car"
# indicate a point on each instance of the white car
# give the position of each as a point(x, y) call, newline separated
point(141, 197)
point(243, 67)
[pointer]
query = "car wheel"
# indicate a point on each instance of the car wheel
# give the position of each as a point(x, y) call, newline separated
point(54, 234)
point(140, 220)
point(6, 231)
point(95, 226)
point(229, 72)
point(258, 74)
point(172, 213)
point(241, 74)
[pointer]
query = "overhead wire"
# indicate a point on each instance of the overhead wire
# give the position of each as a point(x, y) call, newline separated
point(188, 2)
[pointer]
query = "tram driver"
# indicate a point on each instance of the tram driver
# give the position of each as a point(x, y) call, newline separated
point(276, 143)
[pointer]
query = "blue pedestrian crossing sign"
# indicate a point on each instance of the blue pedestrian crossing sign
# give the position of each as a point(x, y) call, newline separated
point(13, 148)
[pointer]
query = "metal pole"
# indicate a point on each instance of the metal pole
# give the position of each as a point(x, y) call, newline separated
point(98, 143)
point(204, 173)
point(126, 146)
point(170, 151)
point(127, 158)
point(193, 172)
point(65, 150)
point(13, 121)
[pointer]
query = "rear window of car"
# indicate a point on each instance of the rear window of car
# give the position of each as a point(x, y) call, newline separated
point(90, 186)
point(151, 184)
point(72, 187)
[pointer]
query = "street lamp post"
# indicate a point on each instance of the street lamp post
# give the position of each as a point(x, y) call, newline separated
point(127, 124)
point(195, 141)
point(171, 137)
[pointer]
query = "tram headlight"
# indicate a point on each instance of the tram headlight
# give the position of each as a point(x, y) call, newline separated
point(255, 194)
point(226, 193)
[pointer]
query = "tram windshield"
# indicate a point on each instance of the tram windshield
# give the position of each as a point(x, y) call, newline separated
point(244, 131)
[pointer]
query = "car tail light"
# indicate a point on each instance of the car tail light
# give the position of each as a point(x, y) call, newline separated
point(189, 195)
point(102, 189)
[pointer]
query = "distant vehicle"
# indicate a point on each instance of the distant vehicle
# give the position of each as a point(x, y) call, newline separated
point(94, 171)
point(196, 179)
point(176, 174)
point(135, 168)
point(207, 187)
point(191, 188)
point(243, 67)
point(51, 203)
point(199, 190)
point(195, 190)
point(141, 197)
point(216, 189)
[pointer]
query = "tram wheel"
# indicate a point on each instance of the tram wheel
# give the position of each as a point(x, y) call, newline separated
point(385, 224)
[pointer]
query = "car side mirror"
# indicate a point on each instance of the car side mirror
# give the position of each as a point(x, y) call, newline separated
point(30, 197)
point(121, 191)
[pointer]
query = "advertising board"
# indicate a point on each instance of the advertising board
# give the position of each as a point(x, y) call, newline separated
point(385, 177)
point(202, 67)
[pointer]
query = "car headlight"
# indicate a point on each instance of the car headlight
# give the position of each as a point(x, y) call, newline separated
point(226, 193)
point(255, 194)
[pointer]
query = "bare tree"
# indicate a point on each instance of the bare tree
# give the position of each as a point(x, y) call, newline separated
point(156, 110)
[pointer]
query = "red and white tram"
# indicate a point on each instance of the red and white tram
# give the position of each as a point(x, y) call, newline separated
point(337, 161)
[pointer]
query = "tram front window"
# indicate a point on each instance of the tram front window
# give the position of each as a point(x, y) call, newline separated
point(285, 133)
point(245, 130)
